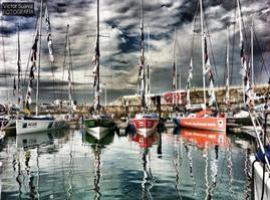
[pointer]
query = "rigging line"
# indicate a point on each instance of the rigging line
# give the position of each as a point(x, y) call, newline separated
point(51, 63)
point(211, 46)
point(29, 56)
point(225, 69)
point(4, 57)
point(53, 80)
point(261, 52)
point(233, 45)
point(193, 29)
point(227, 58)
point(193, 34)
point(71, 67)
point(242, 21)
point(64, 64)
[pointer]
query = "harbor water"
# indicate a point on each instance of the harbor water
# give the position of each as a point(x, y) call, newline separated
point(177, 164)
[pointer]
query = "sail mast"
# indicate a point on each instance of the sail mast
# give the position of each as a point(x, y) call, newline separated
point(148, 82)
point(69, 68)
point(39, 51)
point(252, 52)
point(4, 58)
point(98, 58)
point(227, 97)
point(142, 67)
point(203, 53)
point(96, 61)
point(242, 50)
point(19, 66)
point(189, 82)
point(175, 71)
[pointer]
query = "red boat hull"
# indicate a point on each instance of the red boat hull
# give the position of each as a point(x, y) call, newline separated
point(204, 123)
point(145, 126)
point(145, 142)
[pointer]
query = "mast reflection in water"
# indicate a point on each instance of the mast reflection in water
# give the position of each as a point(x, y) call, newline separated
point(145, 143)
point(73, 165)
point(96, 147)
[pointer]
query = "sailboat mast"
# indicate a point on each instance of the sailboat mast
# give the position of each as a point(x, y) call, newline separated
point(39, 51)
point(4, 58)
point(148, 81)
point(203, 53)
point(69, 68)
point(252, 52)
point(142, 67)
point(175, 70)
point(19, 63)
point(228, 67)
point(241, 47)
point(98, 59)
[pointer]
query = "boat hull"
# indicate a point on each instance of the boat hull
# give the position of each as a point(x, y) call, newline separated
point(258, 179)
point(98, 132)
point(10, 127)
point(204, 123)
point(145, 126)
point(98, 128)
point(243, 121)
point(24, 126)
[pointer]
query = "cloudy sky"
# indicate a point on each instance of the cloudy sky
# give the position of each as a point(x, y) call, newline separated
point(120, 20)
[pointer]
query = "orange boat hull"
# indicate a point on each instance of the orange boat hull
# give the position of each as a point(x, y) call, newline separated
point(204, 123)
point(203, 138)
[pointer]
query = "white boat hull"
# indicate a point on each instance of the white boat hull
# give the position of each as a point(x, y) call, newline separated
point(24, 126)
point(98, 132)
point(257, 181)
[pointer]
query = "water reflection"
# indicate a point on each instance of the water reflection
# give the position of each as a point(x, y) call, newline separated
point(145, 144)
point(74, 165)
point(29, 147)
point(207, 142)
point(97, 146)
point(204, 139)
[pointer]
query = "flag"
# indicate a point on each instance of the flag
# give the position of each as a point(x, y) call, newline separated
point(96, 99)
point(211, 91)
point(190, 75)
point(227, 95)
point(141, 65)
point(174, 76)
point(49, 35)
point(18, 66)
point(34, 49)
point(245, 72)
point(14, 86)
point(208, 71)
point(31, 73)
point(245, 69)
point(95, 61)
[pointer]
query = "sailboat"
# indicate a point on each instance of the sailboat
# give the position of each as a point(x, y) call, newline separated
point(242, 117)
point(37, 123)
point(144, 123)
point(205, 119)
point(98, 125)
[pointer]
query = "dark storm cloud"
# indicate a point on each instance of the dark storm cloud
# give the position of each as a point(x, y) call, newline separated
point(120, 41)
